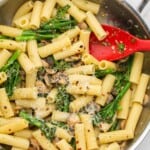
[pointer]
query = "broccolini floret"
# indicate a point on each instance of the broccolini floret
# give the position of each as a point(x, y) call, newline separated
point(62, 99)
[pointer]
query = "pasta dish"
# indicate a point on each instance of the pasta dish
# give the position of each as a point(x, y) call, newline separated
point(54, 94)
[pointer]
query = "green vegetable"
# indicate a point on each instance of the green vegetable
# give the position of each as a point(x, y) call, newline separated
point(12, 69)
point(61, 65)
point(13, 74)
point(107, 113)
point(34, 35)
point(51, 29)
point(73, 143)
point(49, 132)
point(62, 12)
point(3, 37)
point(121, 86)
point(103, 73)
point(121, 47)
point(62, 99)
point(114, 125)
point(60, 124)
point(10, 61)
point(123, 75)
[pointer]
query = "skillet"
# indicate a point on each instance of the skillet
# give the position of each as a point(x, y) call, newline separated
point(117, 13)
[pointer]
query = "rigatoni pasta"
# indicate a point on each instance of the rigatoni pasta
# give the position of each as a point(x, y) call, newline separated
point(84, 69)
point(60, 116)
point(84, 37)
point(10, 31)
point(134, 116)
point(80, 102)
point(124, 104)
point(141, 89)
point(72, 33)
point(55, 95)
point(23, 21)
point(31, 79)
point(115, 136)
point(136, 67)
point(32, 50)
point(35, 16)
point(12, 45)
point(80, 136)
point(73, 10)
point(14, 141)
point(23, 10)
point(5, 105)
point(44, 143)
point(25, 93)
point(53, 47)
point(89, 132)
point(14, 126)
point(107, 86)
point(104, 64)
point(24, 133)
point(95, 26)
point(87, 5)
point(47, 10)
point(4, 55)
point(26, 63)
point(3, 77)
point(63, 145)
point(76, 48)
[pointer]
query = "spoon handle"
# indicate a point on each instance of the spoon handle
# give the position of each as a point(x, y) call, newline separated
point(144, 45)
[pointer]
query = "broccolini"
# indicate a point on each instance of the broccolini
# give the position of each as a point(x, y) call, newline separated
point(107, 113)
point(62, 99)
point(51, 29)
point(49, 132)
point(12, 69)
point(121, 86)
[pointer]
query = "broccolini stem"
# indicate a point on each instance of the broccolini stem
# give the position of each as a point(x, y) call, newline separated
point(107, 113)
point(50, 29)
point(3, 37)
point(49, 132)
point(36, 37)
point(103, 73)
point(13, 78)
point(25, 38)
point(11, 60)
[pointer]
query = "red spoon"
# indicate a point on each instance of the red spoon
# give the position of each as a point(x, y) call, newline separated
point(118, 44)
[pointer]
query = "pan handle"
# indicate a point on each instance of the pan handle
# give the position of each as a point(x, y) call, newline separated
point(143, 4)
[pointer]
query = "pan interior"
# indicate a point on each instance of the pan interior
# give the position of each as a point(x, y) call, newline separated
point(114, 12)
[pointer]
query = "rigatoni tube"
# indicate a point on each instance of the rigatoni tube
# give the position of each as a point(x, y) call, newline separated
point(95, 26)
point(53, 47)
point(73, 10)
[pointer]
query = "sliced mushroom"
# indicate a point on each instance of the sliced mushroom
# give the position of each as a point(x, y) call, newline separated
point(59, 78)
point(47, 80)
point(34, 144)
point(42, 88)
point(92, 108)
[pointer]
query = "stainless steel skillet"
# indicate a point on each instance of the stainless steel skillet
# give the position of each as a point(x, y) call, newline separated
point(118, 13)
